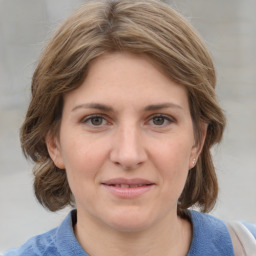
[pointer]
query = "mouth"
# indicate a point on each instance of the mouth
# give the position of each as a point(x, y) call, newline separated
point(128, 188)
point(128, 185)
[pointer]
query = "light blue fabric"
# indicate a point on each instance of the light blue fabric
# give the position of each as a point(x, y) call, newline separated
point(210, 238)
point(60, 241)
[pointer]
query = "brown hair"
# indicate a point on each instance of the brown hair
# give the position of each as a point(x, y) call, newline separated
point(143, 27)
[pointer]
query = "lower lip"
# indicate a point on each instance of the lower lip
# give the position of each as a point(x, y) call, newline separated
point(128, 193)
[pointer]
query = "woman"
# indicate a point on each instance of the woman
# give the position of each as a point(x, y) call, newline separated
point(120, 125)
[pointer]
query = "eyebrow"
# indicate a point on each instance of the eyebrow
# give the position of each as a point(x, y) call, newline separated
point(106, 108)
point(162, 106)
point(94, 106)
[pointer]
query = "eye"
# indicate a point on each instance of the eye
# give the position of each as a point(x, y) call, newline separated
point(158, 120)
point(94, 120)
point(97, 120)
point(161, 120)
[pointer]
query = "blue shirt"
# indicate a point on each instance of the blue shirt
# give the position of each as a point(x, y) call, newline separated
point(210, 238)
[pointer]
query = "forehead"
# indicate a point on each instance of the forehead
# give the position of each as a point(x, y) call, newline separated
point(127, 78)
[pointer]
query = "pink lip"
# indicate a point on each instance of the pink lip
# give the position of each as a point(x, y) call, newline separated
point(118, 187)
point(118, 181)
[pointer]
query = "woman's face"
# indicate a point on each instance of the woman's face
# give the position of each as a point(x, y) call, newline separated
point(127, 142)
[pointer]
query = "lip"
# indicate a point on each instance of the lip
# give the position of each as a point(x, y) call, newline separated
point(134, 181)
point(138, 187)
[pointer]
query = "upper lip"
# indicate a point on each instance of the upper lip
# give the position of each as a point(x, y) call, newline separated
point(135, 181)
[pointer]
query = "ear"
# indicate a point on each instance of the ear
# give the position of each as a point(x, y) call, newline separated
point(54, 151)
point(197, 148)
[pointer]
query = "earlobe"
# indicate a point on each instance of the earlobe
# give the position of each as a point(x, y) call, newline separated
point(53, 148)
point(197, 148)
point(192, 162)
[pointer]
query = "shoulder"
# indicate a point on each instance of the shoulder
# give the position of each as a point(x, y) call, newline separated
point(43, 244)
point(56, 242)
point(210, 236)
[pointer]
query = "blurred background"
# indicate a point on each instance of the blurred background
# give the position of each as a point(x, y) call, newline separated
point(229, 30)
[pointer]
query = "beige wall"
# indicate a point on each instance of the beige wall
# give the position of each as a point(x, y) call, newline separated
point(228, 28)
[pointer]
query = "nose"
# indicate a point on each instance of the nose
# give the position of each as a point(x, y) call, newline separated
point(127, 149)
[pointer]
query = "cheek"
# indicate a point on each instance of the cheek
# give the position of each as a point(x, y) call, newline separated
point(172, 162)
point(81, 152)
point(83, 160)
point(83, 163)
point(173, 156)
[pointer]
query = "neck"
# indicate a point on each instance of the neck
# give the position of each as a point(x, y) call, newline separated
point(171, 236)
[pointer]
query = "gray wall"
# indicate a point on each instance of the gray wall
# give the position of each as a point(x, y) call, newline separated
point(229, 29)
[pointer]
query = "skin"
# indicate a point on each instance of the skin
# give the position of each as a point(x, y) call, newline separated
point(127, 120)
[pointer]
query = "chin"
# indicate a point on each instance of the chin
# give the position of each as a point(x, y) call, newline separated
point(130, 222)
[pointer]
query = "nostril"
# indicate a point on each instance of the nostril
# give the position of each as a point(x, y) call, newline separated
point(128, 154)
point(128, 166)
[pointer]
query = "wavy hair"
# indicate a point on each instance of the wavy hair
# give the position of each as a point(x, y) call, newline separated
point(147, 27)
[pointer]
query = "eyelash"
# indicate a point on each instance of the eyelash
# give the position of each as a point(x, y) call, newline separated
point(165, 118)
point(88, 120)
